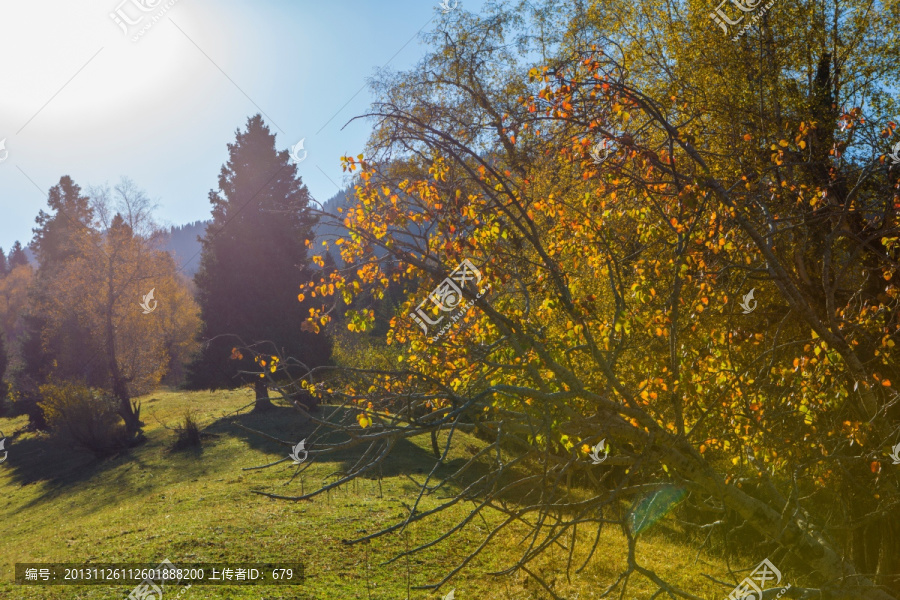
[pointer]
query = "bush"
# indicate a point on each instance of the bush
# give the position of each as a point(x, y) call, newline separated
point(188, 432)
point(4, 392)
point(88, 417)
point(25, 398)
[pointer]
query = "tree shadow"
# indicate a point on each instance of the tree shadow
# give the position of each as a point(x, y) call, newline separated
point(61, 467)
point(407, 459)
point(42, 458)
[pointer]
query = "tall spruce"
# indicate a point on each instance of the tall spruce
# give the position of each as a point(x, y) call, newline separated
point(17, 256)
point(253, 262)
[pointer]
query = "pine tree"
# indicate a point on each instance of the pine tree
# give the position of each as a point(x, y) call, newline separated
point(4, 267)
point(17, 256)
point(253, 262)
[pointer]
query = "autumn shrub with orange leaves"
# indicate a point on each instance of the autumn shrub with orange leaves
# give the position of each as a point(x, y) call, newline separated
point(613, 311)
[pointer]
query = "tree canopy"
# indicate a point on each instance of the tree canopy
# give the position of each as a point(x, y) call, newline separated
point(625, 179)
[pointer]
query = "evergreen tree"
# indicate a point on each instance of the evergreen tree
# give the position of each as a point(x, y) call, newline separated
point(17, 256)
point(61, 235)
point(252, 265)
point(4, 267)
point(57, 234)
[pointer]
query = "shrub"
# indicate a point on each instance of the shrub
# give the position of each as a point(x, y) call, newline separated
point(88, 417)
point(187, 432)
point(25, 398)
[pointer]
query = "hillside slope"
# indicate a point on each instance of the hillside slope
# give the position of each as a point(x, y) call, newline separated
point(61, 505)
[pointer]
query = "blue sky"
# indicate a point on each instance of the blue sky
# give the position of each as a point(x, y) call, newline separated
point(81, 98)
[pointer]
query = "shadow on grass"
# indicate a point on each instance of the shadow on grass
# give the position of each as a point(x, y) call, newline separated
point(44, 460)
point(287, 424)
point(41, 458)
point(59, 467)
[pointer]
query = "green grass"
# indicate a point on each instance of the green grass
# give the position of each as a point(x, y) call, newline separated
point(62, 505)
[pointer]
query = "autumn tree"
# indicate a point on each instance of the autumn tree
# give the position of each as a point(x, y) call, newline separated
point(623, 197)
point(253, 262)
point(114, 283)
point(14, 287)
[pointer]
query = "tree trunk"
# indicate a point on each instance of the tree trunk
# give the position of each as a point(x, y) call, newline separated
point(119, 387)
point(434, 444)
point(262, 396)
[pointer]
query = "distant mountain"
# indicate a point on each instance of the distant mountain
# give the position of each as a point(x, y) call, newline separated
point(329, 233)
point(344, 200)
point(182, 242)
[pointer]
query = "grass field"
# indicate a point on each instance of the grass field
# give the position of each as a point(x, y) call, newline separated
point(63, 505)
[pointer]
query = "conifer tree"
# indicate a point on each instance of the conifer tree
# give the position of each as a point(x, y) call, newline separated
point(253, 263)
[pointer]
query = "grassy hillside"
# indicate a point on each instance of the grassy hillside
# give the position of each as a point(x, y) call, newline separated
point(62, 505)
